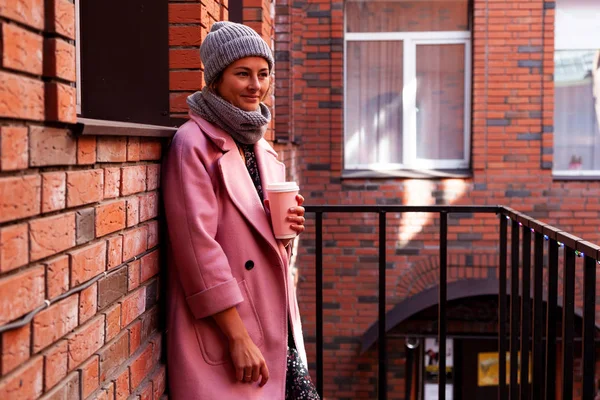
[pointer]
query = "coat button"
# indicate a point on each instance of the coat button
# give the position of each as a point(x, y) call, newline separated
point(249, 265)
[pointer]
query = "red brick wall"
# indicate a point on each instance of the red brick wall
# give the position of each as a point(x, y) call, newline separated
point(511, 153)
point(75, 212)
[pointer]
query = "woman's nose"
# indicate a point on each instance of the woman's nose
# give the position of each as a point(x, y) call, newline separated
point(254, 83)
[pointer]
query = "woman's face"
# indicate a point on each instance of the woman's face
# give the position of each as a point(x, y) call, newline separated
point(245, 83)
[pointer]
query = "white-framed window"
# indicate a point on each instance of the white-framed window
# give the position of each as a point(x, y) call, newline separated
point(407, 75)
point(577, 88)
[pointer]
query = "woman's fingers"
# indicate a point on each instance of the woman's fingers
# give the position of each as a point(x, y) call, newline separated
point(299, 199)
point(264, 372)
point(255, 373)
point(239, 374)
point(248, 374)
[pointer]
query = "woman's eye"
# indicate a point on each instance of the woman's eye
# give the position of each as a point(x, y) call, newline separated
point(242, 74)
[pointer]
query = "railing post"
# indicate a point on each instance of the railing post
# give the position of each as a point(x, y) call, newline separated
point(319, 305)
point(525, 313)
point(382, 320)
point(551, 320)
point(538, 318)
point(502, 311)
point(567, 324)
point(442, 304)
point(589, 326)
point(514, 310)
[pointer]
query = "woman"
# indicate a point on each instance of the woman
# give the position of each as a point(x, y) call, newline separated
point(233, 324)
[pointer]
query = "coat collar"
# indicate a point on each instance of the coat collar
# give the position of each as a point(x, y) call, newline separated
point(238, 183)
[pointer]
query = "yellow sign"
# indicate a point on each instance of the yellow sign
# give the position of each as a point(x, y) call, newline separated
point(488, 373)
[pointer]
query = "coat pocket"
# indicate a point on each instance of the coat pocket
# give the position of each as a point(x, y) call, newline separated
point(213, 343)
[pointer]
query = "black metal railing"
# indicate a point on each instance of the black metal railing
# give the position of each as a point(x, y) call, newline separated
point(525, 312)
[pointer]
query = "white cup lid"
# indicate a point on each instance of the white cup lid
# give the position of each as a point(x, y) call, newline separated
point(282, 187)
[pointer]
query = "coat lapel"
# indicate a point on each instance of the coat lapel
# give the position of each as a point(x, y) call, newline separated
point(237, 181)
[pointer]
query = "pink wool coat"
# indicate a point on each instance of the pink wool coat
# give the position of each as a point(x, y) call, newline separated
point(222, 253)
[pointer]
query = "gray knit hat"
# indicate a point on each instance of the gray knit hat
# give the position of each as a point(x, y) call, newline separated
point(228, 42)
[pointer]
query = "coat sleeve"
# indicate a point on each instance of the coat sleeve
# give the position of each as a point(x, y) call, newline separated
point(191, 209)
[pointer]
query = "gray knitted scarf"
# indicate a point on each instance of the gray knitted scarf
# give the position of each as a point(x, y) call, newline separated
point(246, 127)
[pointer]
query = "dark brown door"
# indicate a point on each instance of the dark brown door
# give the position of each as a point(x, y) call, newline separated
point(468, 365)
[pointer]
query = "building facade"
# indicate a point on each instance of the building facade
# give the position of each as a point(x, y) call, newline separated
point(376, 102)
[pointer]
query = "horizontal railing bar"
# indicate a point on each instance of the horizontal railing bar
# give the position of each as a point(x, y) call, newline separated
point(589, 249)
point(568, 240)
point(400, 208)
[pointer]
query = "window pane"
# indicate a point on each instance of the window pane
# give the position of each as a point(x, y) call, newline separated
point(441, 101)
point(374, 103)
point(577, 110)
point(407, 16)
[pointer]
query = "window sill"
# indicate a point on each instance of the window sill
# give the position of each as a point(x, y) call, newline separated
point(86, 126)
point(407, 174)
point(594, 176)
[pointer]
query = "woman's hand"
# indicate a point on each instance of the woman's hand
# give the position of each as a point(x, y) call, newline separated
point(295, 217)
point(248, 361)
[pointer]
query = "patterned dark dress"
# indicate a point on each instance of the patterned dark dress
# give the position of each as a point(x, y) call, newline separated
point(298, 385)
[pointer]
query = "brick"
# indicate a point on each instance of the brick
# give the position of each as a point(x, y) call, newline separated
point(113, 355)
point(184, 58)
point(57, 276)
point(87, 262)
point(67, 389)
point(21, 97)
point(150, 149)
point(184, 35)
point(20, 197)
point(133, 306)
point(51, 235)
point(85, 225)
point(28, 12)
point(21, 293)
point(152, 234)
point(133, 179)
point(88, 303)
point(54, 322)
point(110, 217)
point(112, 182)
point(185, 80)
point(59, 59)
point(145, 391)
point(14, 146)
point(112, 149)
point(135, 332)
point(107, 393)
point(85, 342)
point(25, 383)
point(157, 341)
point(21, 50)
point(60, 102)
point(113, 321)
point(60, 18)
point(159, 382)
point(133, 211)
point(84, 187)
point(148, 206)
point(184, 13)
point(149, 323)
point(115, 251)
point(86, 150)
point(89, 376)
point(140, 367)
point(55, 360)
point(134, 274)
point(150, 265)
point(133, 149)
point(152, 177)
point(122, 385)
point(15, 348)
point(113, 287)
point(14, 247)
point(135, 242)
point(51, 146)
point(54, 190)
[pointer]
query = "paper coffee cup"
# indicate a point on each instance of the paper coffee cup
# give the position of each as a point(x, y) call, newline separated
point(282, 196)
